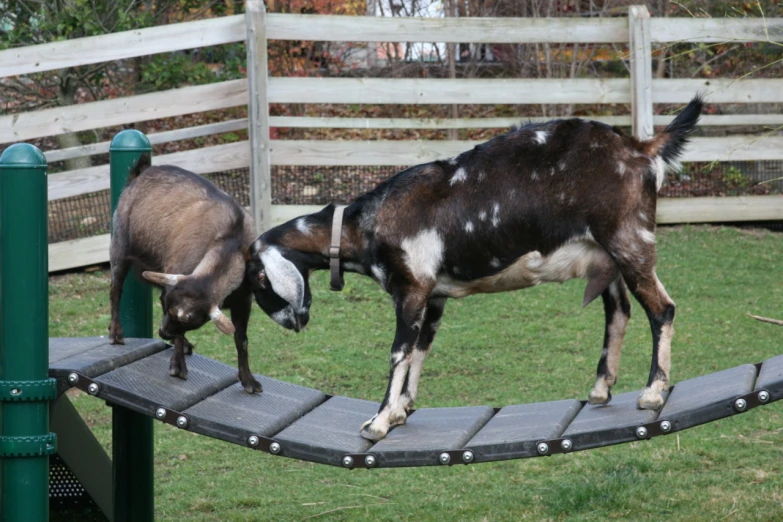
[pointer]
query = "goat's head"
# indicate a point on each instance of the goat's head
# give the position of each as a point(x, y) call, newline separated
point(280, 284)
point(187, 305)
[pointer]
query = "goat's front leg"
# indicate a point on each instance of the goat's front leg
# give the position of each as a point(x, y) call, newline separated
point(177, 366)
point(617, 310)
point(240, 316)
point(421, 350)
point(410, 316)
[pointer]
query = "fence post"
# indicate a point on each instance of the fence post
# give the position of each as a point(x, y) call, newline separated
point(25, 441)
point(641, 71)
point(258, 115)
point(132, 441)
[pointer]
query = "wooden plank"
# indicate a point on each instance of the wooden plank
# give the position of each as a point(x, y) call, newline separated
point(258, 110)
point(122, 45)
point(734, 148)
point(201, 161)
point(641, 72)
point(155, 139)
point(719, 210)
point(79, 252)
point(464, 30)
point(718, 90)
point(88, 251)
point(121, 111)
point(448, 91)
point(717, 29)
point(371, 153)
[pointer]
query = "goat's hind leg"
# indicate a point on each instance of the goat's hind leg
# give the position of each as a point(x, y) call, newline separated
point(119, 270)
point(177, 366)
point(617, 310)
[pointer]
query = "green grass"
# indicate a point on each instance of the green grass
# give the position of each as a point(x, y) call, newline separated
point(527, 346)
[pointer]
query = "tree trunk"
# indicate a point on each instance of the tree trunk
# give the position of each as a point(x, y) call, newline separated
point(66, 92)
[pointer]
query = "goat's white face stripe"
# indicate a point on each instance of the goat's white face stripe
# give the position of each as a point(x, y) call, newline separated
point(541, 137)
point(286, 280)
point(459, 175)
point(424, 253)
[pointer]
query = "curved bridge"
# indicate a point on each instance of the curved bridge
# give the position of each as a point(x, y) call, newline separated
point(306, 424)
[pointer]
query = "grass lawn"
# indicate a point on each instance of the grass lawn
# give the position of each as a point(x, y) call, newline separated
point(528, 346)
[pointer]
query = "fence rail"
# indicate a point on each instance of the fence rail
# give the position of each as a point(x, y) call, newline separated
point(641, 92)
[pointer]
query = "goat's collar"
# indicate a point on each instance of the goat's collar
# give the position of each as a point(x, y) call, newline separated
point(337, 281)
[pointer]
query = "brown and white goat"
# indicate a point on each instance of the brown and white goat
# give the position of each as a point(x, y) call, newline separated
point(545, 202)
point(190, 239)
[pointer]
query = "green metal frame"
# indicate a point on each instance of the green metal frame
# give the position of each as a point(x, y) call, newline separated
point(24, 336)
point(132, 439)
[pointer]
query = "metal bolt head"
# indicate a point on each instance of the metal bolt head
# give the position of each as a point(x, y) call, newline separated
point(369, 461)
point(93, 389)
point(160, 413)
point(252, 441)
point(641, 432)
point(542, 448)
point(347, 462)
point(274, 448)
point(73, 378)
point(16, 391)
point(444, 458)
point(467, 457)
point(182, 422)
point(566, 444)
point(740, 405)
point(666, 426)
point(763, 396)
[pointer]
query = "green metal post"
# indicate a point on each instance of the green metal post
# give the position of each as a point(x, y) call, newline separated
point(132, 441)
point(25, 441)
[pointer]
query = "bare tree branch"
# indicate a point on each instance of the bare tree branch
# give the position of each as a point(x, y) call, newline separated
point(766, 319)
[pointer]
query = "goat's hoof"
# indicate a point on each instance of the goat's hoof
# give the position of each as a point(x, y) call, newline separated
point(649, 400)
point(596, 398)
point(398, 419)
point(176, 370)
point(251, 386)
point(116, 339)
point(372, 433)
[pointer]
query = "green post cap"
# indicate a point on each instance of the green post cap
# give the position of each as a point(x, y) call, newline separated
point(22, 156)
point(130, 140)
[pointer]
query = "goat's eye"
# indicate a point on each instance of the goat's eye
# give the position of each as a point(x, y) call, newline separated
point(262, 279)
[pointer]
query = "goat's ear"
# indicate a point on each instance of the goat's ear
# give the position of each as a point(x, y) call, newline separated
point(222, 322)
point(285, 278)
point(162, 279)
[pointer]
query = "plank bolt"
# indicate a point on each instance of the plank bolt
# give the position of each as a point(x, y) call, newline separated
point(160, 413)
point(542, 448)
point(763, 396)
point(252, 440)
point(16, 391)
point(93, 389)
point(182, 422)
point(641, 432)
point(740, 405)
point(566, 444)
point(666, 426)
point(467, 457)
point(347, 462)
point(73, 378)
point(444, 458)
point(274, 448)
point(369, 461)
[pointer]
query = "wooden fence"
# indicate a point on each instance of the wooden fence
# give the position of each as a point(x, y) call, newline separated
point(259, 153)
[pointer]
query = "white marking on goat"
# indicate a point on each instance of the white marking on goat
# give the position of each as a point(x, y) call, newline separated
point(495, 262)
point(468, 227)
point(303, 227)
point(482, 176)
point(534, 175)
point(659, 169)
point(495, 214)
point(647, 236)
point(355, 267)
point(379, 274)
point(541, 137)
point(643, 216)
point(595, 145)
point(561, 197)
point(552, 171)
point(561, 165)
point(181, 314)
point(398, 356)
point(424, 253)
point(620, 168)
point(460, 175)
point(483, 215)
point(453, 161)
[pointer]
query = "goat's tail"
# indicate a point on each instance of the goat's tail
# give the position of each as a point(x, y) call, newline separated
point(138, 167)
point(667, 145)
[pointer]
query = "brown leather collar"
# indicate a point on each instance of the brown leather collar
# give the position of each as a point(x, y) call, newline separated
point(337, 282)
